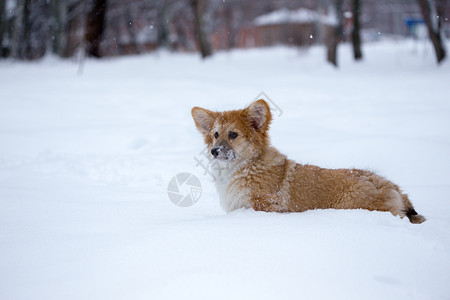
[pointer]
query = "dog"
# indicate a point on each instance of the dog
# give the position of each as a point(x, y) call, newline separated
point(250, 173)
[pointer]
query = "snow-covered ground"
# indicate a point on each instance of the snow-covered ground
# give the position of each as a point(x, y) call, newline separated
point(85, 162)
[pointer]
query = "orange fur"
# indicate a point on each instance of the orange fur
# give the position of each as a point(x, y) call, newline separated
point(254, 174)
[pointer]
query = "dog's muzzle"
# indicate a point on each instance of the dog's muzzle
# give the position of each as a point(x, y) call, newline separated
point(222, 153)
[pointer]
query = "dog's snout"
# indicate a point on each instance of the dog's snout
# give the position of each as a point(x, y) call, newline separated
point(215, 151)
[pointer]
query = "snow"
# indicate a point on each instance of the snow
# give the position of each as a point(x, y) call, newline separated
point(298, 16)
point(85, 162)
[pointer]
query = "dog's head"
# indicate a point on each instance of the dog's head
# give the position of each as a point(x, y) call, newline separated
point(237, 134)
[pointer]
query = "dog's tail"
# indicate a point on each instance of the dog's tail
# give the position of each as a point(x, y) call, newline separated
point(410, 212)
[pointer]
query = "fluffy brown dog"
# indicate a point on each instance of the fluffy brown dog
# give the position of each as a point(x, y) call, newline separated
point(251, 173)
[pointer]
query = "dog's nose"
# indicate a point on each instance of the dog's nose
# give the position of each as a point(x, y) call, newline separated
point(215, 151)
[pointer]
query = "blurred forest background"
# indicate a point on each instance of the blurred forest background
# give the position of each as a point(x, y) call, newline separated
point(30, 29)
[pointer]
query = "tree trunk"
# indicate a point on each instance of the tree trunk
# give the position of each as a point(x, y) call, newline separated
point(95, 27)
point(17, 29)
point(202, 39)
point(134, 43)
point(432, 16)
point(335, 36)
point(21, 43)
point(162, 25)
point(59, 11)
point(356, 37)
point(228, 20)
point(3, 22)
point(27, 51)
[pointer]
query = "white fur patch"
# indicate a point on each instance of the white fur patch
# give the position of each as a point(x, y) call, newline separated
point(232, 195)
point(396, 203)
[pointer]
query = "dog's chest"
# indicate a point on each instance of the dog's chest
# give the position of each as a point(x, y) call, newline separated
point(233, 193)
point(259, 185)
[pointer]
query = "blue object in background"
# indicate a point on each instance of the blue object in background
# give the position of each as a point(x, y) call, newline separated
point(412, 22)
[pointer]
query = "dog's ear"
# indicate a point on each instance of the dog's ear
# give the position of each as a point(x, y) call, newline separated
point(203, 118)
point(259, 116)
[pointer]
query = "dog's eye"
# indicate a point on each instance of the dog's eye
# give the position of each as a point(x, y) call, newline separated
point(232, 135)
point(216, 135)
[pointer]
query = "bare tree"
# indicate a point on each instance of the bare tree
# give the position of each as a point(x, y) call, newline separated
point(205, 47)
point(59, 12)
point(95, 27)
point(433, 13)
point(163, 24)
point(17, 31)
point(3, 22)
point(231, 16)
point(31, 31)
point(29, 28)
point(356, 37)
point(74, 27)
point(25, 49)
point(335, 35)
